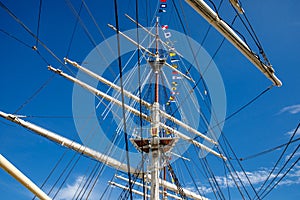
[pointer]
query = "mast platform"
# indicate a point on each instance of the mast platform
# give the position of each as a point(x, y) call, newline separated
point(144, 145)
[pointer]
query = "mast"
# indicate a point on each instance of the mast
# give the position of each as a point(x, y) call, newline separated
point(155, 115)
point(144, 116)
point(106, 159)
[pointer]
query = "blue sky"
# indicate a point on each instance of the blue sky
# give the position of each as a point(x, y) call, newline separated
point(266, 123)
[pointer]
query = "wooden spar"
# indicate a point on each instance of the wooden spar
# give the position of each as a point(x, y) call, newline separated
point(179, 72)
point(127, 188)
point(187, 127)
point(148, 187)
point(99, 93)
point(149, 52)
point(153, 35)
point(171, 187)
point(237, 6)
point(211, 17)
point(131, 40)
point(198, 144)
point(137, 99)
point(188, 193)
point(107, 82)
point(84, 150)
point(131, 109)
point(20, 177)
point(67, 142)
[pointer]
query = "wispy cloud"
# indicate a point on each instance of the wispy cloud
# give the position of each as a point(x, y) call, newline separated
point(68, 192)
point(293, 109)
point(256, 178)
point(70, 189)
point(292, 132)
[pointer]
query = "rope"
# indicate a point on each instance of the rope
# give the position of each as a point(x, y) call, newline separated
point(73, 32)
point(52, 171)
point(277, 162)
point(84, 181)
point(33, 35)
point(68, 174)
point(278, 173)
point(282, 177)
point(122, 94)
point(140, 93)
point(274, 167)
point(35, 93)
point(27, 45)
point(268, 151)
point(240, 165)
point(15, 38)
point(38, 24)
point(61, 174)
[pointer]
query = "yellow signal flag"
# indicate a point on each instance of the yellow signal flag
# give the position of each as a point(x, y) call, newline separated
point(174, 66)
point(171, 98)
point(172, 54)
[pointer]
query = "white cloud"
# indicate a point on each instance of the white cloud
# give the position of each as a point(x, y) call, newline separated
point(296, 155)
point(256, 178)
point(294, 109)
point(292, 132)
point(68, 191)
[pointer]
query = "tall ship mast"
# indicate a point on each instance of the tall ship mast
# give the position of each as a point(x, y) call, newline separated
point(148, 106)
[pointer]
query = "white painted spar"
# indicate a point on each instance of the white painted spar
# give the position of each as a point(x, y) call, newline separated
point(127, 188)
point(137, 99)
point(149, 52)
point(211, 17)
point(153, 35)
point(67, 142)
point(22, 178)
point(194, 142)
point(87, 151)
point(171, 187)
point(132, 110)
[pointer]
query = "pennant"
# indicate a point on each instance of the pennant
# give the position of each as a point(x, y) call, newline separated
point(162, 11)
point(176, 77)
point(163, 5)
point(172, 54)
point(167, 35)
point(174, 93)
point(164, 27)
point(174, 60)
point(173, 88)
point(174, 83)
point(174, 72)
point(172, 98)
point(163, 1)
point(174, 66)
point(168, 103)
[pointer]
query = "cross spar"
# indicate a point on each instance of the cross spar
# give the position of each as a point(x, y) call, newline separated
point(133, 110)
point(137, 99)
point(212, 18)
point(85, 150)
